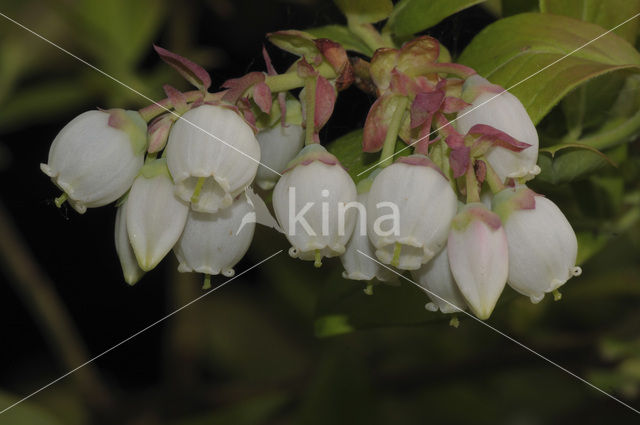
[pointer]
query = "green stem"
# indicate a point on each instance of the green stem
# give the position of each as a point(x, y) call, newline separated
point(389, 147)
point(619, 134)
point(291, 80)
point(495, 184)
point(310, 104)
point(473, 193)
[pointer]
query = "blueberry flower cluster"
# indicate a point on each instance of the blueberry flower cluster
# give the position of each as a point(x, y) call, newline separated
point(451, 208)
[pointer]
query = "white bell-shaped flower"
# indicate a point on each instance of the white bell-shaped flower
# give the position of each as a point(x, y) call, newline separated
point(213, 156)
point(478, 257)
point(155, 215)
point(542, 245)
point(410, 207)
point(130, 268)
point(355, 259)
point(493, 106)
point(213, 243)
point(436, 278)
point(278, 146)
point(96, 156)
point(314, 202)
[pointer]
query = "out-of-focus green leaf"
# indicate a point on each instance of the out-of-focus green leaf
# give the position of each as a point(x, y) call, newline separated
point(606, 13)
point(348, 149)
point(343, 35)
point(514, 7)
point(536, 41)
point(117, 32)
point(365, 11)
point(25, 413)
point(572, 164)
point(412, 16)
point(39, 102)
point(589, 244)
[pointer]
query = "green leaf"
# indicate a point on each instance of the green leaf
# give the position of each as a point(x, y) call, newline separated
point(25, 413)
point(589, 244)
point(342, 35)
point(412, 16)
point(365, 11)
point(606, 13)
point(572, 164)
point(514, 51)
point(348, 149)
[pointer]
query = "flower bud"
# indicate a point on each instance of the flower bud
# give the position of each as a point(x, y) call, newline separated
point(155, 215)
point(311, 201)
point(356, 265)
point(214, 243)
point(478, 257)
point(130, 268)
point(436, 278)
point(493, 106)
point(542, 244)
point(278, 146)
point(410, 207)
point(96, 156)
point(213, 156)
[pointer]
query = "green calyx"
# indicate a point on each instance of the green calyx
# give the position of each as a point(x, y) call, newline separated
point(155, 168)
point(132, 123)
point(513, 199)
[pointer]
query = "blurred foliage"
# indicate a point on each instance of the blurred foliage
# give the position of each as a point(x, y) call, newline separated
point(288, 344)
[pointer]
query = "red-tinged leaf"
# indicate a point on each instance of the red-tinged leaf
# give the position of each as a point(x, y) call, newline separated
point(267, 60)
point(305, 70)
point(337, 57)
point(459, 159)
point(238, 86)
point(282, 102)
point(377, 123)
point(444, 126)
point(497, 137)
point(262, 97)
point(382, 63)
point(455, 141)
point(244, 107)
point(158, 132)
point(401, 84)
point(325, 101)
point(191, 71)
point(453, 104)
point(424, 106)
point(480, 170)
point(177, 98)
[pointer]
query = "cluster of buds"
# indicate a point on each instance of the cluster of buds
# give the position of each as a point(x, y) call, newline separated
point(182, 171)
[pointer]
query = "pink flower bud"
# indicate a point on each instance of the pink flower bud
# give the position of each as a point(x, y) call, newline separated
point(479, 257)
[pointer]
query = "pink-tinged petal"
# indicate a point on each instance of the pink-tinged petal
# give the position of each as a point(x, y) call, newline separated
point(191, 71)
point(262, 97)
point(177, 98)
point(418, 55)
point(459, 159)
point(238, 86)
point(325, 101)
point(159, 133)
point(401, 84)
point(377, 123)
point(491, 219)
point(420, 160)
point(310, 154)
